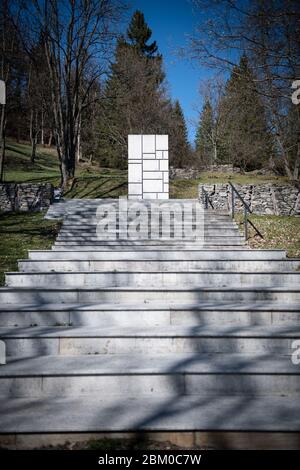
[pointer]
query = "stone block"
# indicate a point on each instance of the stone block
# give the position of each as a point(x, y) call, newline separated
point(162, 142)
point(159, 154)
point(163, 165)
point(135, 173)
point(149, 156)
point(149, 195)
point(135, 188)
point(152, 175)
point(151, 165)
point(148, 144)
point(152, 185)
point(134, 147)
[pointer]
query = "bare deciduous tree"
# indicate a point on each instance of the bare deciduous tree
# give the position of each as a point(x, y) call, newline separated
point(76, 35)
point(267, 31)
point(8, 52)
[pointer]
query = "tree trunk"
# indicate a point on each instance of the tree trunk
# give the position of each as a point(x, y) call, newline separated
point(297, 163)
point(33, 137)
point(67, 164)
point(42, 129)
point(67, 173)
point(33, 150)
point(215, 153)
point(50, 139)
point(78, 149)
point(2, 141)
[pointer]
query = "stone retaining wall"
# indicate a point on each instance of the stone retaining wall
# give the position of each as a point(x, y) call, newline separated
point(229, 169)
point(25, 197)
point(265, 198)
point(193, 173)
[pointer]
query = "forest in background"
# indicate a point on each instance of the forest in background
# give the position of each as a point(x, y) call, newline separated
point(77, 82)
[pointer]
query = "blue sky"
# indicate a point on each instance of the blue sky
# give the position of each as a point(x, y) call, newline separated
point(171, 21)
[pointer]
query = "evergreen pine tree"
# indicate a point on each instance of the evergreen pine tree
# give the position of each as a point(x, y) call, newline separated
point(139, 34)
point(135, 99)
point(180, 151)
point(245, 137)
point(205, 136)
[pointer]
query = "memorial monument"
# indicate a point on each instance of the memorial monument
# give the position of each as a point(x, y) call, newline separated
point(148, 167)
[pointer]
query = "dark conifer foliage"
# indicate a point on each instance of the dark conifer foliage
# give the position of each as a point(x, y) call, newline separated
point(139, 34)
point(204, 142)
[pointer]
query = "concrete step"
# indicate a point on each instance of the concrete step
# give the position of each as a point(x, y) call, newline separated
point(217, 236)
point(124, 246)
point(210, 243)
point(91, 216)
point(153, 253)
point(162, 239)
point(153, 279)
point(207, 225)
point(133, 295)
point(228, 229)
point(175, 339)
point(172, 375)
point(157, 413)
point(150, 265)
point(92, 220)
point(150, 314)
point(152, 235)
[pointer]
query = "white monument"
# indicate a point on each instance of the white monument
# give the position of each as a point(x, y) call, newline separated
point(148, 167)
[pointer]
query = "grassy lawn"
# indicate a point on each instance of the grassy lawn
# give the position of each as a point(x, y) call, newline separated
point(279, 232)
point(189, 188)
point(20, 232)
point(18, 167)
point(95, 182)
point(90, 182)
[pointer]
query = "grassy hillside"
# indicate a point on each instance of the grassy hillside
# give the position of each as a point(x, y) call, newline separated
point(279, 232)
point(20, 232)
point(90, 182)
point(95, 182)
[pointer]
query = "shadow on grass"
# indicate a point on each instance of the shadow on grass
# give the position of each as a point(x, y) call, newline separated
point(84, 189)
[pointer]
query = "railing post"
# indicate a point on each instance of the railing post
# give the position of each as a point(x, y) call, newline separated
point(245, 223)
point(204, 198)
point(232, 202)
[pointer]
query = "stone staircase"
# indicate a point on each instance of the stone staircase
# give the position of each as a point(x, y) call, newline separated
point(154, 335)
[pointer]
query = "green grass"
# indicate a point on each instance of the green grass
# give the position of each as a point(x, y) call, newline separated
point(91, 185)
point(90, 182)
point(279, 232)
point(20, 232)
point(95, 182)
point(189, 188)
point(18, 167)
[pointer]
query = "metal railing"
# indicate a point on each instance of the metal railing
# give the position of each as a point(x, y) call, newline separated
point(247, 211)
point(206, 199)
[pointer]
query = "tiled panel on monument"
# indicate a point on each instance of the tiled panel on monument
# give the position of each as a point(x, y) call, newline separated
point(148, 167)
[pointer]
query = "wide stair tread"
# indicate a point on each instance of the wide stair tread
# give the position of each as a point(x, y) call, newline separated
point(170, 331)
point(156, 413)
point(137, 364)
